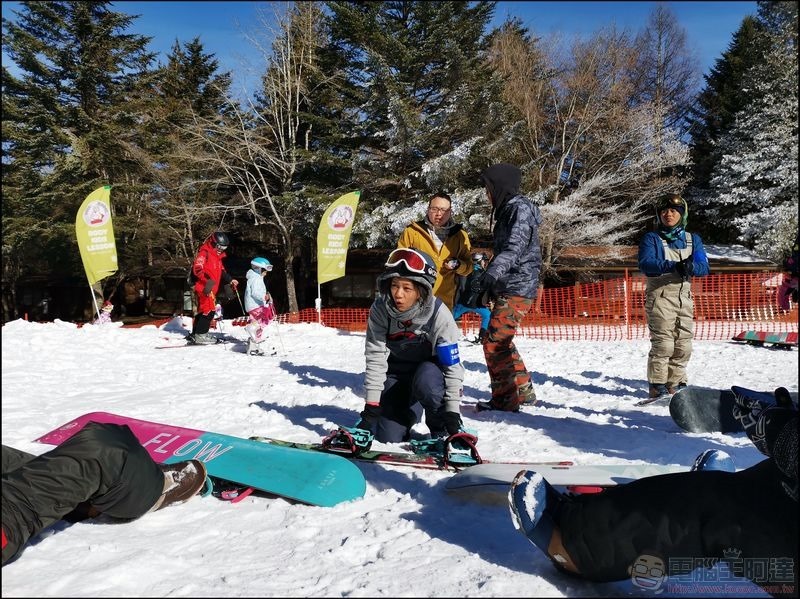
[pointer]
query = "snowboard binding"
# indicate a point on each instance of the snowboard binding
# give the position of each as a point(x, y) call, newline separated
point(348, 440)
point(456, 450)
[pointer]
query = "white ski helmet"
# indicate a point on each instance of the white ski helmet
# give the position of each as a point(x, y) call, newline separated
point(261, 263)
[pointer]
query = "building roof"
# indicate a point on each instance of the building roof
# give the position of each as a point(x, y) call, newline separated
point(620, 257)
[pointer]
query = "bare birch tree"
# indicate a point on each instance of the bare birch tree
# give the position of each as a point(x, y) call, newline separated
point(589, 151)
point(261, 149)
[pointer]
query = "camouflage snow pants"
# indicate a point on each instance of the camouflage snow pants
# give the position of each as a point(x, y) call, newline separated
point(506, 368)
point(670, 312)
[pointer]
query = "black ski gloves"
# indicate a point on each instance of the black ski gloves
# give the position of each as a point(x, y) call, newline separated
point(208, 287)
point(477, 288)
point(685, 268)
point(763, 422)
point(369, 417)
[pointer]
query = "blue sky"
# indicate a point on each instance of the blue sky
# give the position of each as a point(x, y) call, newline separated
point(221, 26)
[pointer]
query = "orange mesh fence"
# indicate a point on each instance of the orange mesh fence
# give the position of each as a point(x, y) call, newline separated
point(613, 310)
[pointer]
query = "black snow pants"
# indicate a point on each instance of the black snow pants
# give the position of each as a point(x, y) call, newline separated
point(102, 464)
point(684, 518)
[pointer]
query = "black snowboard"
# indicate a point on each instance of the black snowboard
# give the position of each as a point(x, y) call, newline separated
point(703, 410)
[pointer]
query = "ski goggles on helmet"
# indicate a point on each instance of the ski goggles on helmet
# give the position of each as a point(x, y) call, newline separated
point(675, 202)
point(220, 247)
point(412, 260)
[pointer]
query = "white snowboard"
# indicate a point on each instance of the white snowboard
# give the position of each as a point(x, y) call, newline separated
point(492, 481)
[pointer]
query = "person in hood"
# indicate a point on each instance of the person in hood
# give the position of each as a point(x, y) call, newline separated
point(445, 241)
point(512, 279)
point(209, 276)
point(670, 257)
point(412, 362)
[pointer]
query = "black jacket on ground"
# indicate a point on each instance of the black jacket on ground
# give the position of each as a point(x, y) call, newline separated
point(102, 464)
point(689, 517)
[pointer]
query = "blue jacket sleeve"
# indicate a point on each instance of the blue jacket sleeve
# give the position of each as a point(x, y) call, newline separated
point(699, 257)
point(651, 256)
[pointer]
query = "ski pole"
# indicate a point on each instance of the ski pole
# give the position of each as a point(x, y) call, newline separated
point(277, 330)
point(240, 301)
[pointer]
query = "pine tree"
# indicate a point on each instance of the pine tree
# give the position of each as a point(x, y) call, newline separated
point(67, 118)
point(187, 202)
point(713, 114)
point(412, 88)
point(755, 183)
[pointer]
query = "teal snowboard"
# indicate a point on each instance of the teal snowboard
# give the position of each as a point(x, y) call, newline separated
point(308, 477)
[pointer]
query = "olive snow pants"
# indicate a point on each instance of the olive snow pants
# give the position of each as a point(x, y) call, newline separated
point(683, 520)
point(102, 464)
point(670, 319)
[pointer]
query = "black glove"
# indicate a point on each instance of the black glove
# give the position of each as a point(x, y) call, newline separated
point(477, 288)
point(452, 422)
point(482, 283)
point(762, 421)
point(685, 268)
point(225, 293)
point(208, 287)
point(369, 417)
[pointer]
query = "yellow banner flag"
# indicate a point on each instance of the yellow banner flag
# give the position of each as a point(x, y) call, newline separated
point(333, 237)
point(95, 234)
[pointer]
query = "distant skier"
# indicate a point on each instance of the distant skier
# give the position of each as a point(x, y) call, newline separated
point(258, 304)
point(209, 276)
point(105, 313)
point(789, 285)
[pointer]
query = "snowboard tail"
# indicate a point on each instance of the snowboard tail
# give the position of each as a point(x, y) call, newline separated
point(312, 478)
point(782, 339)
point(704, 410)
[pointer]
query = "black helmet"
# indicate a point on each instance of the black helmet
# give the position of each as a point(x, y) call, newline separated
point(220, 240)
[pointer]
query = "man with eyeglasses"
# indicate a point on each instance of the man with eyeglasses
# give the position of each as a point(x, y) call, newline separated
point(209, 274)
point(445, 241)
point(670, 257)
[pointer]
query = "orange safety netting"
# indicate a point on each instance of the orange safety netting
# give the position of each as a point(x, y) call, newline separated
point(613, 310)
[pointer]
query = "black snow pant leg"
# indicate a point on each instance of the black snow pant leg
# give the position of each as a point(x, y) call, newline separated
point(14, 458)
point(681, 518)
point(103, 464)
point(202, 323)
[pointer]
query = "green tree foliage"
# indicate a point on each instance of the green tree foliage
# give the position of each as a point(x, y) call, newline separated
point(714, 113)
point(755, 183)
point(66, 121)
point(413, 89)
point(186, 200)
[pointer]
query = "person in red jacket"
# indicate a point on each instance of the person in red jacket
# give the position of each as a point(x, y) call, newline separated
point(209, 275)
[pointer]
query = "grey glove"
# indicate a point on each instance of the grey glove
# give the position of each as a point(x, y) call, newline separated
point(209, 286)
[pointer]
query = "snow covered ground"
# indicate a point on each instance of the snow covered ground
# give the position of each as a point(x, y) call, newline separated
point(407, 537)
